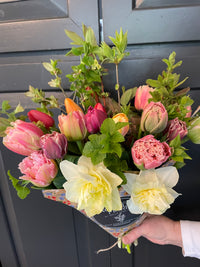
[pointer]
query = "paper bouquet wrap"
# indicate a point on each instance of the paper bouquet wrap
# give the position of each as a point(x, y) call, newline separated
point(115, 223)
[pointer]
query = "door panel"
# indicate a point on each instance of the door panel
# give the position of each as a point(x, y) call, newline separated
point(39, 26)
point(158, 24)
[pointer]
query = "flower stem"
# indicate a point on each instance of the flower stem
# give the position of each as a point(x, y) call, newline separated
point(80, 145)
point(117, 82)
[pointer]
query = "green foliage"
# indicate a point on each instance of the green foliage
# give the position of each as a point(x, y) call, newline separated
point(59, 180)
point(20, 186)
point(175, 102)
point(106, 147)
point(38, 96)
point(128, 95)
point(178, 152)
point(9, 116)
point(116, 53)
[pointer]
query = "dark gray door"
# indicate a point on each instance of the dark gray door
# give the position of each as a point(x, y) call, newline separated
point(40, 232)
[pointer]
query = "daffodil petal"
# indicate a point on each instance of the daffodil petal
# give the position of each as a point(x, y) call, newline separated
point(131, 179)
point(68, 169)
point(168, 175)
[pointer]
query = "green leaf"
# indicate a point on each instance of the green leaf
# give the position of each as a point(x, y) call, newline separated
point(4, 123)
point(48, 66)
point(176, 142)
point(77, 40)
point(5, 105)
point(117, 138)
point(22, 191)
point(153, 83)
point(18, 109)
point(120, 125)
point(108, 126)
point(77, 51)
point(90, 36)
point(74, 159)
point(128, 95)
point(59, 180)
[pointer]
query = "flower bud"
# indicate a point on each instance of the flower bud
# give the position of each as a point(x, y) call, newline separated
point(194, 131)
point(142, 96)
point(121, 117)
point(154, 118)
point(175, 127)
point(54, 145)
point(94, 118)
point(73, 125)
point(22, 137)
point(99, 106)
point(38, 169)
point(189, 113)
point(71, 106)
point(36, 115)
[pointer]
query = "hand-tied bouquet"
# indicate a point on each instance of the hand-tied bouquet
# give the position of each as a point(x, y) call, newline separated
point(102, 147)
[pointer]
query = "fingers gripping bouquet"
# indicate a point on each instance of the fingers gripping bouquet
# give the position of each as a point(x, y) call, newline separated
point(104, 155)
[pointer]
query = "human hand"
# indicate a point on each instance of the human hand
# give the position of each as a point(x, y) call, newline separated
point(158, 229)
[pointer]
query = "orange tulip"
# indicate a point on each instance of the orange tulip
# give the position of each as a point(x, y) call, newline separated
point(71, 106)
point(121, 117)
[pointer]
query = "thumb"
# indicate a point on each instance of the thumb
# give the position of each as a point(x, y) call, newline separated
point(132, 236)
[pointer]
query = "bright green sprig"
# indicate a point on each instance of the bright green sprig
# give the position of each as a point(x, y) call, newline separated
point(178, 152)
point(175, 102)
point(20, 186)
point(106, 147)
point(38, 96)
point(11, 116)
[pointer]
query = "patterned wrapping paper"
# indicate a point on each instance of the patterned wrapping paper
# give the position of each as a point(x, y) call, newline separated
point(115, 223)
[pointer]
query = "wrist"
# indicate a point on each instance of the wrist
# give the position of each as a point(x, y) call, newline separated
point(176, 238)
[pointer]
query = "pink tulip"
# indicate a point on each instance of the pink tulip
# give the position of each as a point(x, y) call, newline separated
point(73, 125)
point(148, 153)
point(38, 169)
point(142, 96)
point(175, 127)
point(154, 118)
point(99, 106)
point(121, 117)
point(23, 138)
point(54, 145)
point(36, 115)
point(94, 118)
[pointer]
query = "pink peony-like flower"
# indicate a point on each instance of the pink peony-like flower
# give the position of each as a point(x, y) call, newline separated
point(36, 115)
point(154, 118)
point(54, 145)
point(94, 118)
point(142, 96)
point(175, 127)
point(148, 153)
point(73, 125)
point(23, 138)
point(38, 169)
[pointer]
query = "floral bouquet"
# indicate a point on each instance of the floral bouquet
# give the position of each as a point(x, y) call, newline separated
point(114, 159)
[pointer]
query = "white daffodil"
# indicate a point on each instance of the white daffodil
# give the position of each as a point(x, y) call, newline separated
point(92, 187)
point(151, 190)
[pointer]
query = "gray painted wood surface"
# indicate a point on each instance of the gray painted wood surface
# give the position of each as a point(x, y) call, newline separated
point(152, 25)
point(40, 232)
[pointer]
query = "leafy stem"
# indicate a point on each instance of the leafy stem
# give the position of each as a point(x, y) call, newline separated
point(117, 82)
